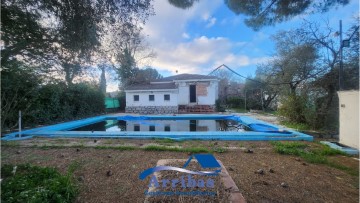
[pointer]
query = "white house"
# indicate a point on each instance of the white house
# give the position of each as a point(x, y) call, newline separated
point(179, 93)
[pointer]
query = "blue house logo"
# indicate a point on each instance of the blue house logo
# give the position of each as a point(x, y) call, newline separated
point(204, 160)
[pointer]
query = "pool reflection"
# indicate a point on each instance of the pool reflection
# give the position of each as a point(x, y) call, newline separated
point(163, 125)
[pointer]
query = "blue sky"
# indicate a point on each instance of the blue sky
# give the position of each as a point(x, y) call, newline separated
point(199, 39)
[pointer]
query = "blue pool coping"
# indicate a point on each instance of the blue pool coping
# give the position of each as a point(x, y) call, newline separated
point(63, 130)
point(347, 150)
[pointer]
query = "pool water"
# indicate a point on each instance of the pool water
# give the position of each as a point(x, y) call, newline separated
point(199, 125)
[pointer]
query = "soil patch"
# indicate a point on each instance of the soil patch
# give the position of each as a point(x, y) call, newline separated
point(110, 175)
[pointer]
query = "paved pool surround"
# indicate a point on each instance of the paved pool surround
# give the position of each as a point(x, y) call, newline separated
point(64, 130)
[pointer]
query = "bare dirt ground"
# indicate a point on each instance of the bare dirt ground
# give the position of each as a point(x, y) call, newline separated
point(110, 175)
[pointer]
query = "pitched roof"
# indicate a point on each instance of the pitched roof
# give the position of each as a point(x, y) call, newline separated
point(161, 86)
point(185, 76)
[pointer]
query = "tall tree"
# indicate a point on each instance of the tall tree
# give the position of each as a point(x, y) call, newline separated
point(146, 75)
point(294, 62)
point(68, 32)
point(23, 35)
point(126, 69)
point(351, 58)
point(269, 93)
point(102, 68)
point(288, 73)
point(323, 37)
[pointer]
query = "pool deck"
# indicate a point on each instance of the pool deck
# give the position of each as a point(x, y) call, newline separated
point(63, 130)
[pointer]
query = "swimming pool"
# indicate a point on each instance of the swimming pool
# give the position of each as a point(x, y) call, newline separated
point(176, 127)
point(167, 125)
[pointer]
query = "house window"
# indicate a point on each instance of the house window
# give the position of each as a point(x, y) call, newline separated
point(151, 97)
point(167, 128)
point(152, 128)
point(167, 97)
point(136, 127)
point(136, 97)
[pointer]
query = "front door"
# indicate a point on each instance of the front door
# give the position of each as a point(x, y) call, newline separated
point(192, 93)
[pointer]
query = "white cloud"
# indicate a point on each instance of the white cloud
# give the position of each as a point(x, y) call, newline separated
point(211, 22)
point(169, 23)
point(260, 60)
point(185, 35)
point(177, 50)
point(205, 16)
point(200, 55)
point(112, 87)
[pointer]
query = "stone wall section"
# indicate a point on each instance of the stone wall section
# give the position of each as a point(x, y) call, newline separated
point(151, 109)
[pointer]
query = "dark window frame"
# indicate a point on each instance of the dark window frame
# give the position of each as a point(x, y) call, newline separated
point(153, 99)
point(136, 127)
point(166, 99)
point(151, 128)
point(136, 96)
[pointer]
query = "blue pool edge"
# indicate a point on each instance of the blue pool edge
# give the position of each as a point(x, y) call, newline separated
point(60, 130)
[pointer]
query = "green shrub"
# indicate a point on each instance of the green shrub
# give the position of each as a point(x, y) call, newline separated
point(165, 140)
point(19, 89)
point(218, 106)
point(293, 108)
point(291, 148)
point(297, 126)
point(36, 184)
point(58, 102)
point(235, 102)
point(316, 155)
point(44, 102)
point(122, 100)
point(219, 149)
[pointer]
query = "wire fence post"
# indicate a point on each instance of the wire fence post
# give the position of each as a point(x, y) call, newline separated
point(262, 99)
point(245, 99)
point(19, 123)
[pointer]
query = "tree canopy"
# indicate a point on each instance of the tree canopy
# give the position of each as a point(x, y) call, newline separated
point(262, 13)
point(64, 35)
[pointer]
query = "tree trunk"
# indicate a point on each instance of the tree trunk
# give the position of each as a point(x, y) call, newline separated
point(68, 75)
point(102, 80)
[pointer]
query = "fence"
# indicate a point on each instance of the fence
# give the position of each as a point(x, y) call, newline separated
point(111, 103)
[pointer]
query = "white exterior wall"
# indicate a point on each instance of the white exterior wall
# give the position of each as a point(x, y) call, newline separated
point(144, 98)
point(184, 93)
point(349, 118)
point(209, 99)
